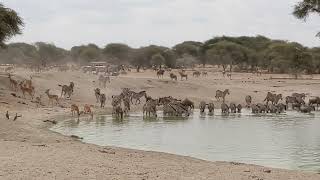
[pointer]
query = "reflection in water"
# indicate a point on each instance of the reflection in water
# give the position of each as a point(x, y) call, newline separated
point(290, 140)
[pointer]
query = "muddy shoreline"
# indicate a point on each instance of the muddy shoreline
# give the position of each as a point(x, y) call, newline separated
point(30, 150)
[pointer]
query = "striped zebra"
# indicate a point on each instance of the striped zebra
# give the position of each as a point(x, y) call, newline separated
point(222, 94)
point(202, 106)
point(150, 107)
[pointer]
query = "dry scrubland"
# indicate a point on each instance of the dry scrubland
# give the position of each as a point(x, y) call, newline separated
point(28, 150)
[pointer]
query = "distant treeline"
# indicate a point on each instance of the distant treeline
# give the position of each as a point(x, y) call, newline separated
point(240, 53)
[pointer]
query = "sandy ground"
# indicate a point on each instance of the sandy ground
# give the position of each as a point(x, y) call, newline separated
point(28, 150)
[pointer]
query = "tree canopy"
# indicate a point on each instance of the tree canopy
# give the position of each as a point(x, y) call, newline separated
point(242, 53)
point(303, 9)
point(10, 24)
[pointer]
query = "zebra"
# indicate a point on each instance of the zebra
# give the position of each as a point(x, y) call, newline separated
point(229, 75)
point(233, 108)
point(103, 80)
point(137, 96)
point(307, 109)
point(290, 100)
point(116, 104)
point(126, 103)
point(222, 94)
point(223, 73)
point(173, 76)
point(176, 108)
point(97, 93)
point(299, 95)
point(160, 73)
point(188, 103)
point(274, 98)
point(281, 107)
point(150, 107)
point(173, 106)
point(239, 108)
point(272, 108)
point(196, 74)
point(314, 101)
point(211, 107)
point(118, 111)
point(262, 108)
point(202, 106)
point(102, 98)
point(224, 108)
point(116, 100)
point(248, 101)
point(254, 108)
point(67, 89)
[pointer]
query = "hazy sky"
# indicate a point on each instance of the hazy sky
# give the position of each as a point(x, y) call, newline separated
point(67, 23)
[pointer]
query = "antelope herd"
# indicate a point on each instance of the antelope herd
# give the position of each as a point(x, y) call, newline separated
point(121, 103)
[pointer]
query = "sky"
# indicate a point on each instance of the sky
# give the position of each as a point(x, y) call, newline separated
point(68, 23)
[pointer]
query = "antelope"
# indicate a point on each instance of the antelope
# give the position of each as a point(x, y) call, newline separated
point(87, 109)
point(183, 75)
point(38, 100)
point(28, 83)
point(13, 83)
point(204, 73)
point(52, 97)
point(25, 89)
point(75, 109)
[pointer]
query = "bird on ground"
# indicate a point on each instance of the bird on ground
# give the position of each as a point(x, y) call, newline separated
point(16, 117)
point(7, 115)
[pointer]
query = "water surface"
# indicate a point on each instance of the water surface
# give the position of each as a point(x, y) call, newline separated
point(290, 140)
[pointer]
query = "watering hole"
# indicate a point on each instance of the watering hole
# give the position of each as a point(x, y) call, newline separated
point(290, 140)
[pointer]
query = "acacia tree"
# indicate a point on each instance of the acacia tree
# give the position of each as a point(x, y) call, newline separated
point(85, 53)
point(119, 51)
point(157, 60)
point(10, 24)
point(306, 7)
point(49, 53)
point(226, 53)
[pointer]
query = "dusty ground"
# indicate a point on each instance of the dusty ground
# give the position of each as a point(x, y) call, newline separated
point(28, 150)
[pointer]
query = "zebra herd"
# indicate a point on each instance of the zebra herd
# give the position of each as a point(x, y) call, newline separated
point(296, 100)
point(121, 104)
